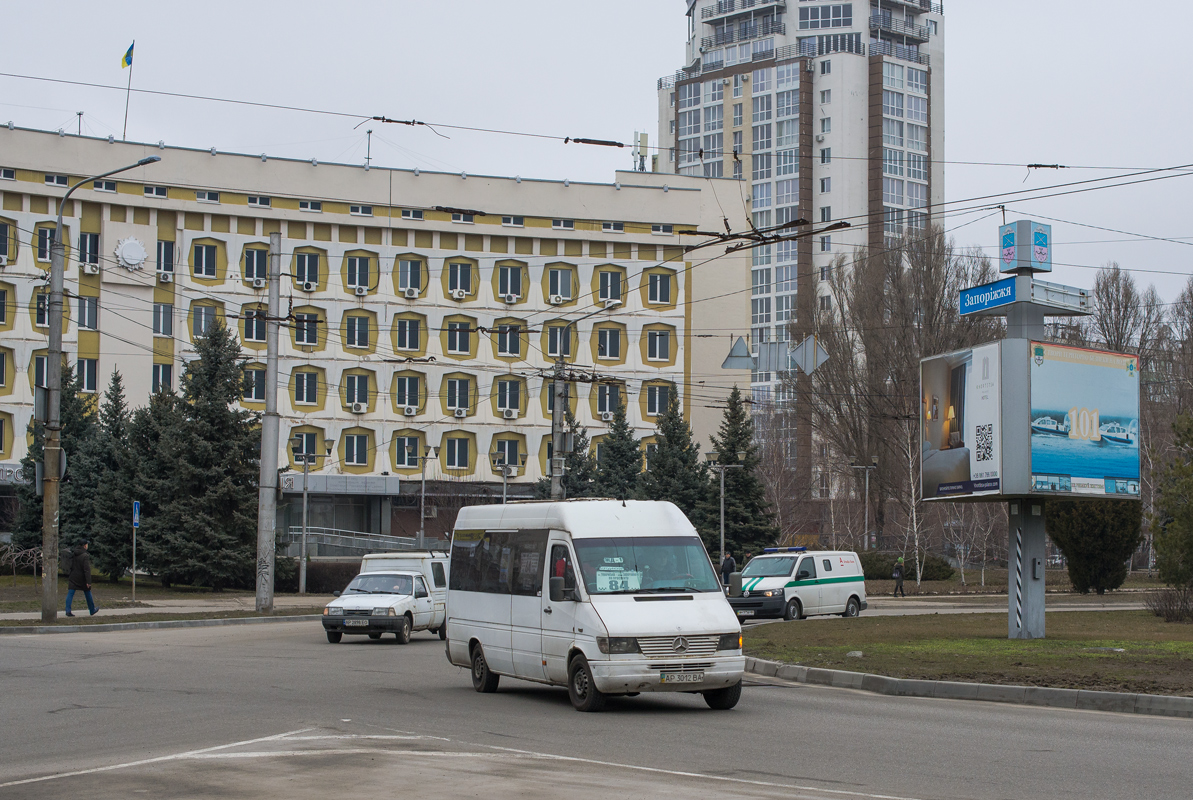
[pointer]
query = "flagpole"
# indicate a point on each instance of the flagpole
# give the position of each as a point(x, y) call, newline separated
point(128, 92)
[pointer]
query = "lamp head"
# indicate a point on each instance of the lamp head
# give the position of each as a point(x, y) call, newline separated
point(741, 455)
point(149, 160)
point(712, 456)
point(497, 458)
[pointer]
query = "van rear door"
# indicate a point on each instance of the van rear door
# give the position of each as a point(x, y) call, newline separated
point(559, 619)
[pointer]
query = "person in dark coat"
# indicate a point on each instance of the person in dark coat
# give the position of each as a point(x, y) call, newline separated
point(79, 580)
point(897, 574)
point(728, 566)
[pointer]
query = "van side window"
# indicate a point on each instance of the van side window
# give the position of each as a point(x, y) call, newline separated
point(437, 575)
point(808, 565)
point(498, 562)
point(828, 565)
point(561, 566)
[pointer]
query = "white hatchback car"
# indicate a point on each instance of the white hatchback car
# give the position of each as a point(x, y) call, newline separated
point(381, 602)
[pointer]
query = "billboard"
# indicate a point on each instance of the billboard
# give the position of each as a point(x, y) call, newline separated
point(1025, 245)
point(1084, 421)
point(961, 423)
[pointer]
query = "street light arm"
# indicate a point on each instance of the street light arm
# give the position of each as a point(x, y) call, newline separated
point(61, 203)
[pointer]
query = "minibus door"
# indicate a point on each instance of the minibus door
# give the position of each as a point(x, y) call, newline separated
point(526, 605)
point(559, 617)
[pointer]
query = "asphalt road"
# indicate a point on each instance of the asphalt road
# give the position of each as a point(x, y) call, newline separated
point(274, 711)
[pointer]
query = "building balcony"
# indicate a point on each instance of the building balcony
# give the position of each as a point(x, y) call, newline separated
point(727, 8)
point(732, 35)
point(919, 5)
point(882, 21)
point(898, 51)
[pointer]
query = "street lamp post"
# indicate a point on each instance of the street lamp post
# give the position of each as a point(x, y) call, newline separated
point(52, 457)
point(497, 458)
point(306, 458)
point(867, 467)
point(713, 463)
point(428, 453)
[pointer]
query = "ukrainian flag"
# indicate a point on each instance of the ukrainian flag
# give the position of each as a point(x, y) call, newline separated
point(127, 59)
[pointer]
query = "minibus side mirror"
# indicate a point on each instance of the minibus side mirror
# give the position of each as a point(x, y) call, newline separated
point(803, 573)
point(556, 590)
point(335, 594)
point(735, 584)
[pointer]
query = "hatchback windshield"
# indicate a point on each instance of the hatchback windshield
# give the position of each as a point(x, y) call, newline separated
point(381, 584)
point(645, 564)
point(769, 567)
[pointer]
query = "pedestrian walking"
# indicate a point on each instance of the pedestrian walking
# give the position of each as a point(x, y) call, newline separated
point(897, 574)
point(728, 567)
point(79, 579)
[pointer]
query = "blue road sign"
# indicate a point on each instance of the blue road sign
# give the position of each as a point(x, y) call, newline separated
point(136, 513)
point(991, 295)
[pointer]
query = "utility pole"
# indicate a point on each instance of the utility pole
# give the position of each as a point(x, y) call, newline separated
point(267, 498)
point(428, 453)
point(714, 463)
point(873, 465)
point(307, 458)
point(52, 458)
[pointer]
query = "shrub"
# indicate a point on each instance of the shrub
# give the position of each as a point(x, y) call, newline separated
point(878, 567)
point(325, 577)
point(1172, 604)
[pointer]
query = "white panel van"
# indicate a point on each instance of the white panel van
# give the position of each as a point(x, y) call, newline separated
point(602, 596)
point(792, 583)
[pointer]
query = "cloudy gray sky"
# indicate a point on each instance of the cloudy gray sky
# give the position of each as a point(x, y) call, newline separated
point(1088, 83)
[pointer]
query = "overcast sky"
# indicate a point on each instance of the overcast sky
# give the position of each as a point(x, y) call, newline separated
point(1087, 83)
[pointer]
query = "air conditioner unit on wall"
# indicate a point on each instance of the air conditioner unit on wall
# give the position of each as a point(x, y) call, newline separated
point(510, 413)
point(411, 294)
point(458, 294)
point(606, 416)
point(460, 413)
point(359, 408)
point(309, 286)
point(556, 299)
point(809, 66)
point(258, 283)
point(165, 277)
point(361, 291)
point(91, 269)
point(410, 411)
point(820, 137)
point(3, 261)
point(510, 298)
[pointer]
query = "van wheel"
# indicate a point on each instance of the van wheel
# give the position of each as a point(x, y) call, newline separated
point(403, 631)
point(853, 608)
point(582, 690)
point(374, 636)
point(482, 679)
point(334, 637)
point(443, 632)
point(723, 699)
point(793, 610)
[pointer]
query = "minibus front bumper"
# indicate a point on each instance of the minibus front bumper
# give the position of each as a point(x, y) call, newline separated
point(641, 675)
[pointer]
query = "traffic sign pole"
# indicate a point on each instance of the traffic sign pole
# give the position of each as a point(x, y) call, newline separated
point(136, 524)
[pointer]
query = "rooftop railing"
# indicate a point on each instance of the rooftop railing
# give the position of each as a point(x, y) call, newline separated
point(726, 7)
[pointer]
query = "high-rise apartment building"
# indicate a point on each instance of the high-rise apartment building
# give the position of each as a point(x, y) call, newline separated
point(823, 112)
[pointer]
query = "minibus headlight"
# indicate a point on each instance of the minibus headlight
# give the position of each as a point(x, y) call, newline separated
point(383, 612)
point(334, 611)
point(617, 644)
point(729, 641)
point(773, 593)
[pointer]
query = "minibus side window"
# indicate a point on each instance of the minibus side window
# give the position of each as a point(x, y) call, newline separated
point(561, 566)
point(498, 562)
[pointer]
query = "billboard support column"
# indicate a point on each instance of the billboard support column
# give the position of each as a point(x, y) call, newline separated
point(1025, 570)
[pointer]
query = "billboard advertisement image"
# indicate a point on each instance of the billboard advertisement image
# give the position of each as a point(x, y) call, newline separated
point(1084, 421)
point(960, 423)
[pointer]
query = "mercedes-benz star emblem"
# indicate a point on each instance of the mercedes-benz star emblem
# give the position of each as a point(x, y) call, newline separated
point(680, 645)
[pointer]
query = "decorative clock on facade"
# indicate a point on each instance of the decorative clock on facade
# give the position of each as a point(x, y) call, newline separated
point(131, 254)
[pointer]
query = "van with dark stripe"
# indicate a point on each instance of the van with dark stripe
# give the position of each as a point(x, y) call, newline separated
point(792, 583)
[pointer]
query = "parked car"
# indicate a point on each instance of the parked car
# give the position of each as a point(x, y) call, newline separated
point(375, 603)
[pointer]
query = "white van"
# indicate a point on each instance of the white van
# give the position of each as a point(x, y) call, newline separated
point(433, 565)
point(602, 596)
point(791, 583)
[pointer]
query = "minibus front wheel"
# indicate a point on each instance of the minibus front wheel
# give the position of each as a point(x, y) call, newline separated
point(723, 699)
point(582, 690)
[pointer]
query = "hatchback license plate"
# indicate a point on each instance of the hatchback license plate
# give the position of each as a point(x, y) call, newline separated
point(745, 612)
point(363, 623)
point(681, 677)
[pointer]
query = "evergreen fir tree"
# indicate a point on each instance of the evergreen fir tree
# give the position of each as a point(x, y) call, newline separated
point(579, 465)
point(1097, 537)
point(154, 451)
point(111, 539)
point(674, 470)
point(620, 466)
point(749, 525)
point(77, 412)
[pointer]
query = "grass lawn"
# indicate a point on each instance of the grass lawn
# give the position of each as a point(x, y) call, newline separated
point(1055, 580)
point(1078, 652)
point(26, 594)
point(104, 618)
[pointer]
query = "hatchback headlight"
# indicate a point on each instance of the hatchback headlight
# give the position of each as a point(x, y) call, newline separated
point(334, 611)
point(617, 644)
point(729, 641)
point(384, 612)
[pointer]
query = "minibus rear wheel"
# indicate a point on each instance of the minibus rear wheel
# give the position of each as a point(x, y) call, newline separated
point(582, 690)
point(723, 699)
point(482, 679)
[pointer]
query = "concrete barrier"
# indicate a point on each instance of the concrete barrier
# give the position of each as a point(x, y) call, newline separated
point(1106, 701)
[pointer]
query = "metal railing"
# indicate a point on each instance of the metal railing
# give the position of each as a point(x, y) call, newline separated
point(897, 51)
point(830, 44)
point(730, 35)
point(887, 22)
point(922, 5)
point(725, 7)
point(358, 540)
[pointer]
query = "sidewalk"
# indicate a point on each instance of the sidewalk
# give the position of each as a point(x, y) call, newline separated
point(202, 605)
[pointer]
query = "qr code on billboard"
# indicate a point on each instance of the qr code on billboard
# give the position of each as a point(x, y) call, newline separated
point(984, 446)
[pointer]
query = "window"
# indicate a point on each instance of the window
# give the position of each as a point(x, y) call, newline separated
point(310, 205)
point(306, 388)
point(826, 96)
point(737, 170)
point(762, 137)
point(254, 384)
point(459, 278)
point(609, 343)
point(892, 103)
point(43, 309)
point(360, 211)
point(835, 16)
point(785, 308)
point(737, 115)
point(826, 213)
point(714, 118)
point(892, 75)
point(761, 108)
point(509, 340)
point(824, 273)
point(608, 397)
point(457, 454)
point(917, 80)
point(155, 191)
point(87, 368)
point(659, 288)
point(459, 335)
point(509, 280)
point(568, 224)
point(406, 455)
point(3, 317)
point(356, 449)
point(207, 197)
point(104, 186)
point(306, 268)
point(306, 329)
point(608, 285)
point(257, 201)
point(826, 124)
point(356, 389)
point(760, 310)
point(256, 264)
point(306, 443)
point(760, 282)
point(664, 229)
point(613, 227)
point(8, 174)
point(204, 318)
point(407, 334)
point(760, 166)
point(917, 195)
point(892, 162)
point(826, 302)
point(56, 180)
point(826, 155)
point(358, 271)
point(254, 325)
point(892, 191)
point(557, 343)
point(163, 380)
point(507, 453)
point(737, 142)
point(826, 185)
point(88, 313)
point(689, 125)
point(658, 345)
point(761, 81)
point(406, 391)
point(45, 240)
point(358, 332)
point(165, 256)
point(826, 244)
point(39, 371)
point(714, 91)
point(88, 248)
point(567, 393)
point(760, 195)
point(787, 104)
point(826, 67)
point(787, 192)
point(203, 265)
point(513, 222)
point(786, 162)
point(163, 319)
point(917, 166)
point(457, 393)
point(892, 223)
point(509, 395)
point(559, 282)
point(3, 239)
point(689, 95)
point(657, 399)
point(917, 108)
point(917, 138)
point(410, 275)
point(412, 213)
point(787, 133)
point(892, 132)
point(461, 217)
point(737, 85)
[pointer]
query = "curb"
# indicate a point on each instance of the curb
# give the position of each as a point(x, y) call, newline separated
point(1154, 704)
point(165, 623)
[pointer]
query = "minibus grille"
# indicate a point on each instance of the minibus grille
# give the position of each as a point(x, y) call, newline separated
point(677, 646)
point(687, 666)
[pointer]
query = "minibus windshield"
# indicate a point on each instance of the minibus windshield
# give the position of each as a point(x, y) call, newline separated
point(645, 564)
point(381, 584)
point(769, 567)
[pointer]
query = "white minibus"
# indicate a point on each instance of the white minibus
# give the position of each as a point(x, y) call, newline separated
point(602, 596)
